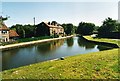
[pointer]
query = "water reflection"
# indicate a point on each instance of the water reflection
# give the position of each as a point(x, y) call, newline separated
point(49, 46)
point(47, 51)
point(83, 43)
point(70, 42)
point(101, 47)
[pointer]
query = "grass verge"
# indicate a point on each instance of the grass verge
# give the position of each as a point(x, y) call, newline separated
point(103, 40)
point(25, 40)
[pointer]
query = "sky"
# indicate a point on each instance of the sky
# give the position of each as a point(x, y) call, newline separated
point(62, 12)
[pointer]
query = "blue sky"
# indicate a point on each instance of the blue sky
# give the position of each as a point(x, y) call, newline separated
point(62, 12)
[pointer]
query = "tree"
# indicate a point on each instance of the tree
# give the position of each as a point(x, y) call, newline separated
point(24, 31)
point(85, 28)
point(68, 28)
point(118, 27)
point(3, 18)
point(29, 30)
point(54, 23)
point(109, 25)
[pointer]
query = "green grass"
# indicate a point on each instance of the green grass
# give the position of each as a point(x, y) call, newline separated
point(32, 39)
point(103, 40)
point(98, 65)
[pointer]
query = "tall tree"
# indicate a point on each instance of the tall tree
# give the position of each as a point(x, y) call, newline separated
point(85, 28)
point(24, 31)
point(68, 28)
point(109, 25)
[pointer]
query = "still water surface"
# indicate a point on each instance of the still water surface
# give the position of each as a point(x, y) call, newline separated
point(47, 51)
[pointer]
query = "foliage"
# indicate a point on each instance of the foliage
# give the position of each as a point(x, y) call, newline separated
point(85, 28)
point(69, 28)
point(29, 31)
point(24, 31)
point(32, 39)
point(53, 23)
point(118, 27)
point(109, 25)
point(3, 18)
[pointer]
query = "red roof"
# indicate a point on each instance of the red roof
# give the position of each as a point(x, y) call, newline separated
point(4, 27)
point(13, 33)
point(53, 26)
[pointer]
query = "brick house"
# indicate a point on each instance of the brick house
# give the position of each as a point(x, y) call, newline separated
point(50, 29)
point(57, 29)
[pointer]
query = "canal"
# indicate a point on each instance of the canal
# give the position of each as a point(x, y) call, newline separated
point(47, 51)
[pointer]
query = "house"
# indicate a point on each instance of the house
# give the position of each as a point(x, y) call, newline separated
point(47, 28)
point(6, 34)
point(55, 28)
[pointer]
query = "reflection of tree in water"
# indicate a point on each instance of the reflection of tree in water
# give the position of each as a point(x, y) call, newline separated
point(49, 46)
point(101, 47)
point(70, 42)
point(45, 47)
point(83, 43)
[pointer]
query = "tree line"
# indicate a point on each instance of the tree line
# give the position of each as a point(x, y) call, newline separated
point(84, 28)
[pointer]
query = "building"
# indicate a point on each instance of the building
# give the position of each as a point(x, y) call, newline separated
point(47, 28)
point(55, 28)
point(6, 34)
point(13, 35)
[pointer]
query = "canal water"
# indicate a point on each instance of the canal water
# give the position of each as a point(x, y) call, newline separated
point(47, 51)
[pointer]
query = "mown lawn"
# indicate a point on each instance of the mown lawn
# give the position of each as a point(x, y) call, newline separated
point(98, 65)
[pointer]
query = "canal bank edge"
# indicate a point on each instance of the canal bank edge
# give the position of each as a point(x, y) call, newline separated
point(109, 42)
point(13, 46)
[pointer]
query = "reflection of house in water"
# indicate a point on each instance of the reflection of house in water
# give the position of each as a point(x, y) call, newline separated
point(49, 46)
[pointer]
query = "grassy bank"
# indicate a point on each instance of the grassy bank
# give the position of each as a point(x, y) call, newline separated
point(97, 65)
point(100, 65)
point(103, 40)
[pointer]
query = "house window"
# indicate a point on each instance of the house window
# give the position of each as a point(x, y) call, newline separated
point(4, 32)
